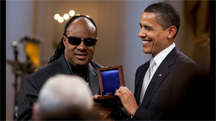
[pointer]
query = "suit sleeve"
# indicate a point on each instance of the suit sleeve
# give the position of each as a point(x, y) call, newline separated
point(182, 89)
point(145, 114)
point(28, 95)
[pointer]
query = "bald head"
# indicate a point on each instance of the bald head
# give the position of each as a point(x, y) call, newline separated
point(82, 25)
point(81, 54)
point(61, 46)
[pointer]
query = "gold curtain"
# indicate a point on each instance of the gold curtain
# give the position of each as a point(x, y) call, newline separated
point(198, 17)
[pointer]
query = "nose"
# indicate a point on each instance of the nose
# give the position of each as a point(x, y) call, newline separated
point(81, 46)
point(142, 33)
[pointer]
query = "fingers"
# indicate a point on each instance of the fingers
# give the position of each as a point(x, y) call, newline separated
point(96, 96)
point(123, 92)
point(125, 89)
point(119, 91)
point(122, 89)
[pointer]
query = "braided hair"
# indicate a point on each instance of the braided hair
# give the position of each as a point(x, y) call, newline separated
point(60, 48)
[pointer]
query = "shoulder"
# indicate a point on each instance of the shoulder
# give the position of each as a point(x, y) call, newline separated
point(41, 75)
point(184, 67)
point(177, 59)
point(30, 88)
point(183, 60)
point(95, 65)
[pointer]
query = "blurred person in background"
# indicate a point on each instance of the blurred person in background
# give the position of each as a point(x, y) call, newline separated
point(64, 97)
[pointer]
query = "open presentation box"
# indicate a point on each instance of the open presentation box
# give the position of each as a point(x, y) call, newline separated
point(110, 79)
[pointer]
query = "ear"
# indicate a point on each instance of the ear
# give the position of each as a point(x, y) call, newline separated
point(64, 40)
point(35, 112)
point(171, 31)
point(96, 41)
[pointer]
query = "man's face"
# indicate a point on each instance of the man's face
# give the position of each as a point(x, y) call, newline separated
point(79, 55)
point(153, 36)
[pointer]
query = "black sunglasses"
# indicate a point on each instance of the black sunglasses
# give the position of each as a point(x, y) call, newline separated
point(77, 41)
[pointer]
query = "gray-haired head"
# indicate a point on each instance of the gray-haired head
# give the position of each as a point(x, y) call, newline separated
point(63, 91)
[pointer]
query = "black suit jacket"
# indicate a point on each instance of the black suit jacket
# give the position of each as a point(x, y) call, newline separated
point(167, 87)
point(32, 84)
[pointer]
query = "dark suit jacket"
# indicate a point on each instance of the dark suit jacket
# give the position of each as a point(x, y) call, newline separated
point(167, 88)
point(32, 84)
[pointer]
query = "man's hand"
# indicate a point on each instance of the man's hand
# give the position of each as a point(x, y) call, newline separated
point(95, 96)
point(128, 100)
point(104, 113)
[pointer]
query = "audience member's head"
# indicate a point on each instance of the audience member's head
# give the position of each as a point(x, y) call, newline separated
point(72, 113)
point(64, 97)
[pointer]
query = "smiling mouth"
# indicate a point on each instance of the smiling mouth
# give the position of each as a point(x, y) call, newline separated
point(81, 56)
point(146, 41)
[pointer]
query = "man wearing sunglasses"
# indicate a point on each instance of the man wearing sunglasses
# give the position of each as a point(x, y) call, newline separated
point(73, 56)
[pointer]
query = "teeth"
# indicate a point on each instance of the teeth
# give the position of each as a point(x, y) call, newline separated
point(145, 42)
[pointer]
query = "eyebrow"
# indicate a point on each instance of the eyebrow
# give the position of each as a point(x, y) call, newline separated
point(146, 26)
point(140, 24)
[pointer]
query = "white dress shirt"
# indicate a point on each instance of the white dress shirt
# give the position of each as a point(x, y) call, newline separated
point(160, 57)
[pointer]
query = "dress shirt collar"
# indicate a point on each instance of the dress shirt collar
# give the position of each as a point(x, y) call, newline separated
point(160, 56)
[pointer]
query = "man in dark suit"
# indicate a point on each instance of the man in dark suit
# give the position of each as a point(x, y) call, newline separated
point(72, 56)
point(161, 83)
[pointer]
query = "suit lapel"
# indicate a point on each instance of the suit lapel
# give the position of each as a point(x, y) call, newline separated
point(159, 76)
point(93, 80)
point(140, 78)
point(63, 67)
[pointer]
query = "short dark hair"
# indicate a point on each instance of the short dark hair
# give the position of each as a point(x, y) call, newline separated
point(60, 48)
point(166, 15)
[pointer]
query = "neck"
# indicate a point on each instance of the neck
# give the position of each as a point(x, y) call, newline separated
point(79, 69)
point(76, 68)
point(164, 47)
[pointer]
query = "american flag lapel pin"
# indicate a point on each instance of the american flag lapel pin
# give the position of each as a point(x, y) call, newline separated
point(160, 74)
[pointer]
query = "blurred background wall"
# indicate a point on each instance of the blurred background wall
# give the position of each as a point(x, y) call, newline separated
point(118, 28)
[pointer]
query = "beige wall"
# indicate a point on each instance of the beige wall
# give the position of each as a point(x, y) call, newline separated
point(184, 39)
point(118, 27)
point(18, 23)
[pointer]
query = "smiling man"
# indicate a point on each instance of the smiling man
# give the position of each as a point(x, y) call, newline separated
point(162, 83)
point(73, 56)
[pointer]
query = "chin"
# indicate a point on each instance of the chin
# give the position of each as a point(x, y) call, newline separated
point(82, 63)
point(146, 52)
